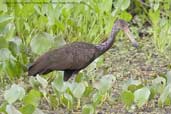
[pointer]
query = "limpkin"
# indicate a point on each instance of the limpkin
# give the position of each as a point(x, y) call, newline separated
point(71, 58)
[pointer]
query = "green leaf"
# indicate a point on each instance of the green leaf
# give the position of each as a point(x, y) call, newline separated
point(67, 100)
point(155, 17)
point(27, 109)
point(158, 84)
point(125, 16)
point(10, 109)
point(5, 54)
point(88, 91)
point(41, 43)
point(168, 76)
point(131, 85)
point(125, 4)
point(14, 48)
point(38, 111)
point(165, 94)
point(78, 90)
point(97, 98)
point(42, 81)
point(58, 84)
point(167, 101)
point(9, 31)
point(141, 96)
point(156, 5)
point(13, 68)
point(59, 42)
point(153, 92)
point(3, 6)
point(105, 83)
point(5, 18)
point(105, 6)
point(33, 82)
point(14, 93)
point(88, 109)
point(3, 107)
point(3, 43)
point(37, 9)
point(122, 4)
point(79, 77)
point(127, 98)
point(54, 101)
point(33, 98)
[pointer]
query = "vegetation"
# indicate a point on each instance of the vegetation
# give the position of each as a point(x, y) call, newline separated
point(28, 29)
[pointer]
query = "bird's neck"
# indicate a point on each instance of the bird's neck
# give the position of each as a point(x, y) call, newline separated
point(103, 47)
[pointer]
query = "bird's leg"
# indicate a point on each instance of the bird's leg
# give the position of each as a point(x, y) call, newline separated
point(69, 73)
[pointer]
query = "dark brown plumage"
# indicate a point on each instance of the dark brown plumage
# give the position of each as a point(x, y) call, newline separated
point(73, 57)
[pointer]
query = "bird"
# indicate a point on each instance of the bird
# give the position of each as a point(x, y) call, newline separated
point(73, 57)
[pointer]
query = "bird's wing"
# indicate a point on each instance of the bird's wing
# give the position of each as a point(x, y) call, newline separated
point(74, 56)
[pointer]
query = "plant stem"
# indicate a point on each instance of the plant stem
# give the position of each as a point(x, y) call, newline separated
point(78, 103)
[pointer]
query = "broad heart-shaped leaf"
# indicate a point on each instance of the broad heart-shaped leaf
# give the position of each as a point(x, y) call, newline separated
point(97, 98)
point(10, 109)
point(14, 48)
point(168, 76)
point(59, 42)
point(105, 83)
point(13, 68)
point(105, 6)
point(122, 4)
point(15, 45)
point(125, 16)
point(131, 85)
point(33, 98)
point(78, 90)
point(165, 94)
point(14, 93)
point(16, 40)
point(125, 4)
point(33, 82)
point(58, 83)
point(42, 81)
point(5, 54)
point(9, 31)
point(5, 18)
point(27, 109)
point(141, 96)
point(41, 43)
point(127, 98)
point(158, 84)
point(88, 109)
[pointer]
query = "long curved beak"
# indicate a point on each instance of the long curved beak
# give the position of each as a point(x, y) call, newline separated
point(131, 37)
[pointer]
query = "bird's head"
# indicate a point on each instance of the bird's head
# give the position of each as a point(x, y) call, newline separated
point(123, 25)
